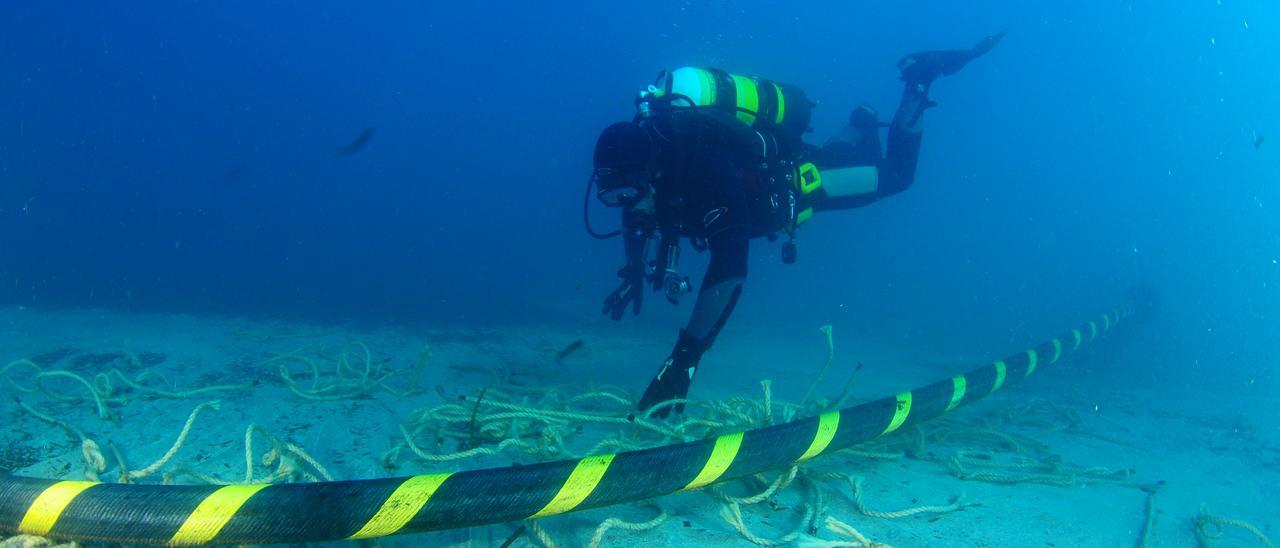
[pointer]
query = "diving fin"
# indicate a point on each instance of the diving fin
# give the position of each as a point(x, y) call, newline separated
point(922, 68)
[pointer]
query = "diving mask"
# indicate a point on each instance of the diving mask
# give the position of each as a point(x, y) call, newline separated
point(617, 188)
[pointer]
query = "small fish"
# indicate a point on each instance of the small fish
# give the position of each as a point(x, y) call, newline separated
point(357, 145)
point(1257, 142)
point(570, 350)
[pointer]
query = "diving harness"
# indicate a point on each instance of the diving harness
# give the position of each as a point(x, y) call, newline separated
point(691, 106)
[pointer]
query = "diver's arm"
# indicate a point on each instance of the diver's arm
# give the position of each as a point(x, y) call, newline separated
point(637, 227)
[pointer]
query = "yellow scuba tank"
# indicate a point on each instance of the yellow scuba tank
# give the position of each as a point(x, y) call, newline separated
point(756, 102)
point(764, 118)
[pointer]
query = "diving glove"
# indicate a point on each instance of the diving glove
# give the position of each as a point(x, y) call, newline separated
point(629, 292)
point(673, 379)
point(922, 68)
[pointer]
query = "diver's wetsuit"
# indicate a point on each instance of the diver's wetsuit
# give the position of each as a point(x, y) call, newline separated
point(715, 209)
point(718, 212)
point(718, 199)
point(717, 206)
point(718, 209)
point(858, 144)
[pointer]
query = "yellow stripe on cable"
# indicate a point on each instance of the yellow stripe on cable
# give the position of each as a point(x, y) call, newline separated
point(1106, 322)
point(1076, 334)
point(1057, 351)
point(401, 506)
point(49, 504)
point(828, 423)
point(722, 455)
point(582, 481)
point(213, 513)
point(1093, 330)
point(958, 384)
point(901, 410)
point(1031, 361)
point(1000, 373)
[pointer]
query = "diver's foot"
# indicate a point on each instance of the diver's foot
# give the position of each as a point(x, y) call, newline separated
point(922, 68)
point(674, 377)
point(671, 383)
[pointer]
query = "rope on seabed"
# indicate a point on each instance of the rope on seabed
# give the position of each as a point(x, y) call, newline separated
point(127, 476)
point(1149, 523)
point(615, 523)
point(32, 541)
point(349, 380)
point(101, 390)
point(1209, 527)
point(855, 484)
point(852, 538)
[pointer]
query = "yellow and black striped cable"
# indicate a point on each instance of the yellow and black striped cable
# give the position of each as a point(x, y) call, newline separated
point(309, 512)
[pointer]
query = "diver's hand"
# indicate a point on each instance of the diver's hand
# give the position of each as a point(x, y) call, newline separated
point(630, 291)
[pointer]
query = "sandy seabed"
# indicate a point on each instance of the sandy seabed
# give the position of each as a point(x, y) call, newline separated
point(1054, 461)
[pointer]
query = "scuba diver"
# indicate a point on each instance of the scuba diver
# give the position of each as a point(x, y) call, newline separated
point(718, 158)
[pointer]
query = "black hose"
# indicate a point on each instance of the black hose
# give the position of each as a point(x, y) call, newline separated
point(586, 213)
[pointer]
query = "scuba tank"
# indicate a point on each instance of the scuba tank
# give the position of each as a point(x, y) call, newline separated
point(750, 103)
point(689, 107)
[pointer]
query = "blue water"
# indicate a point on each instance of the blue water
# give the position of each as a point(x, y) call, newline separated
point(177, 156)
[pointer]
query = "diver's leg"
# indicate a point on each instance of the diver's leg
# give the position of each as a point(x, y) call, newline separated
point(721, 287)
point(892, 174)
point(919, 70)
point(897, 171)
point(857, 144)
point(720, 206)
point(902, 153)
